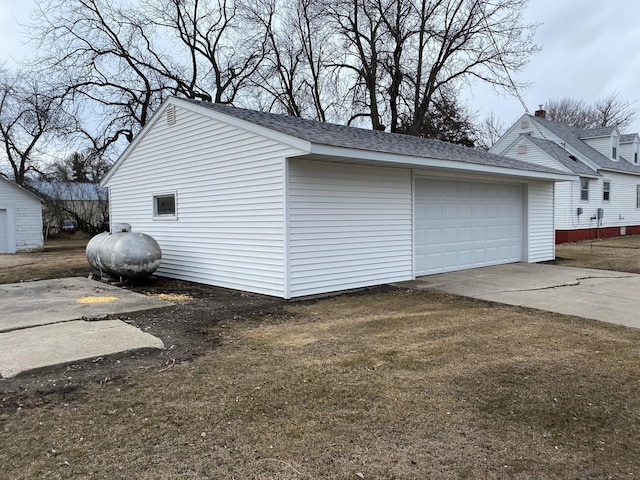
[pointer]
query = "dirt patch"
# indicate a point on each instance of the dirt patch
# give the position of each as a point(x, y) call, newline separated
point(386, 383)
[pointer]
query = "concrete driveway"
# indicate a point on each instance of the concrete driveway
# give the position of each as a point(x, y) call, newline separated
point(50, 322)
point(596, 294)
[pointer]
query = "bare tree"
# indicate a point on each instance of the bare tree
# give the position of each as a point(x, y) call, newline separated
point(608, 111)
point(84, 204)
point(295, 77)
point(78, 167)
point(32, 116)
point(406, 56)
point(489, 131)
point(615, 112)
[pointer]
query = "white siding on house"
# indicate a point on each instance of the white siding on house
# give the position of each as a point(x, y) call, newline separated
point(562, 214)
point(629, 150)
point(229, 186)
point(604, 145)
point(21, 220)
point(620, 210)
point(4, 231)
point(349, 226)
point(512, 135)
point(533, 155)
point(541, 232)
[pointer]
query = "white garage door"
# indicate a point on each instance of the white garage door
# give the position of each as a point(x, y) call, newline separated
point(462, 225)
point(4, 233)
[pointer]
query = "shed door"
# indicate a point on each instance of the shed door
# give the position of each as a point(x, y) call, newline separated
point(460, 225)
point(4, 232)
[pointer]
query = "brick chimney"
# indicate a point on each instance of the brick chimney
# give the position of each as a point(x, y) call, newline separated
point(540, 112)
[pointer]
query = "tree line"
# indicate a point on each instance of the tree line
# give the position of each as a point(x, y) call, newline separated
point(103, 67)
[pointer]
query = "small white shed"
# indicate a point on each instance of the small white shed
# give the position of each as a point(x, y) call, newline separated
point(20, 218)
point(291, 207)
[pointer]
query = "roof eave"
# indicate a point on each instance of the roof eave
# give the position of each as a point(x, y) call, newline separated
point(392, 159)
point(625, 172)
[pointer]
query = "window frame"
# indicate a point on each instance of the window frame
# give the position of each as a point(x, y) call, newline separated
point(606, 190)
point(165, 216)
point(583, 190)
point(637, 196)
point(614, 152)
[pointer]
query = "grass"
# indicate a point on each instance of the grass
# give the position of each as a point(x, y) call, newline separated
point(392, 385)
point(621, 254)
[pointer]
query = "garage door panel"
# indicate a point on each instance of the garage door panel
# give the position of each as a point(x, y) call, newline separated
point(466, 225)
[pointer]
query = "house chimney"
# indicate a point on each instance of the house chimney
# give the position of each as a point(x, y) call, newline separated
point(540, 112)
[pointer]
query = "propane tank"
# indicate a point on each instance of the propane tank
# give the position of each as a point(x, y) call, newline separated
point(124, 254)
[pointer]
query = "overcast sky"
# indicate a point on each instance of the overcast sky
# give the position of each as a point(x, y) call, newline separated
point(589, 48)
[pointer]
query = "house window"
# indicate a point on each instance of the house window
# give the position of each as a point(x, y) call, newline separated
point(606, 191)
point(614, 153)
point(164, 205)
point(637, 196)
point(584, 189)
point(635, 157)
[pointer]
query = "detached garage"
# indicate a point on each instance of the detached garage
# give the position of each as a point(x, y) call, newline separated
point(20, 218)
point(290, 207)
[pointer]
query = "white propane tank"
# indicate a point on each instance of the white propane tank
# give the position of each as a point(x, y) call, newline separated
point(124, 254)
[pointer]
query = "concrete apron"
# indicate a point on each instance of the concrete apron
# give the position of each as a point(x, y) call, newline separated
point(40, 323)
point(595, 294)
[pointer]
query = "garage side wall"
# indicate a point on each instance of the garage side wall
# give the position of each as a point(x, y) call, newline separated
point(228, 183)
point(349, 226)
point(541, 233)
point(20, 220)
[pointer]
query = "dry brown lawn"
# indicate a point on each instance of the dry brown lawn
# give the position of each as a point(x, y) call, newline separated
point(62, 257)
point(388, 384)
point(621, 254)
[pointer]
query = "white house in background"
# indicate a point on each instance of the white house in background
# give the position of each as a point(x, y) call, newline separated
point(604, 199)
point(20, 218)
point(291, 207)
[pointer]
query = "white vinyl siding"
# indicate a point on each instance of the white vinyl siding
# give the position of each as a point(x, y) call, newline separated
point(541, 232)
point(229, 187)
point(604, 145)
point(511, 135)
point(534, 155)
point(20, 219)
point(463, 225)
point(349, 226)
point(620, 210)
point(563, 215)
point(4, 231)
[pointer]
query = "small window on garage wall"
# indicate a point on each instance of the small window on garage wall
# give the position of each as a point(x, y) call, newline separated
point(164, 206)
point(606, 191)
point(584, 189)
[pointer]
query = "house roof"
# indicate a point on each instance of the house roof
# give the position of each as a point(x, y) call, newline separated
point(320, 140)
point(597, 132)
point(628, 137)
point(330, 134)
point(571, 136)
point(69, 191)
point(561, 155)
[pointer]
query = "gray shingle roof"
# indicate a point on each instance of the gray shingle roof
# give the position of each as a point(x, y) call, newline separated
point(596, 132)
point(571, 136)
point(371, 140)
point(562, 156)
point(628, 138)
